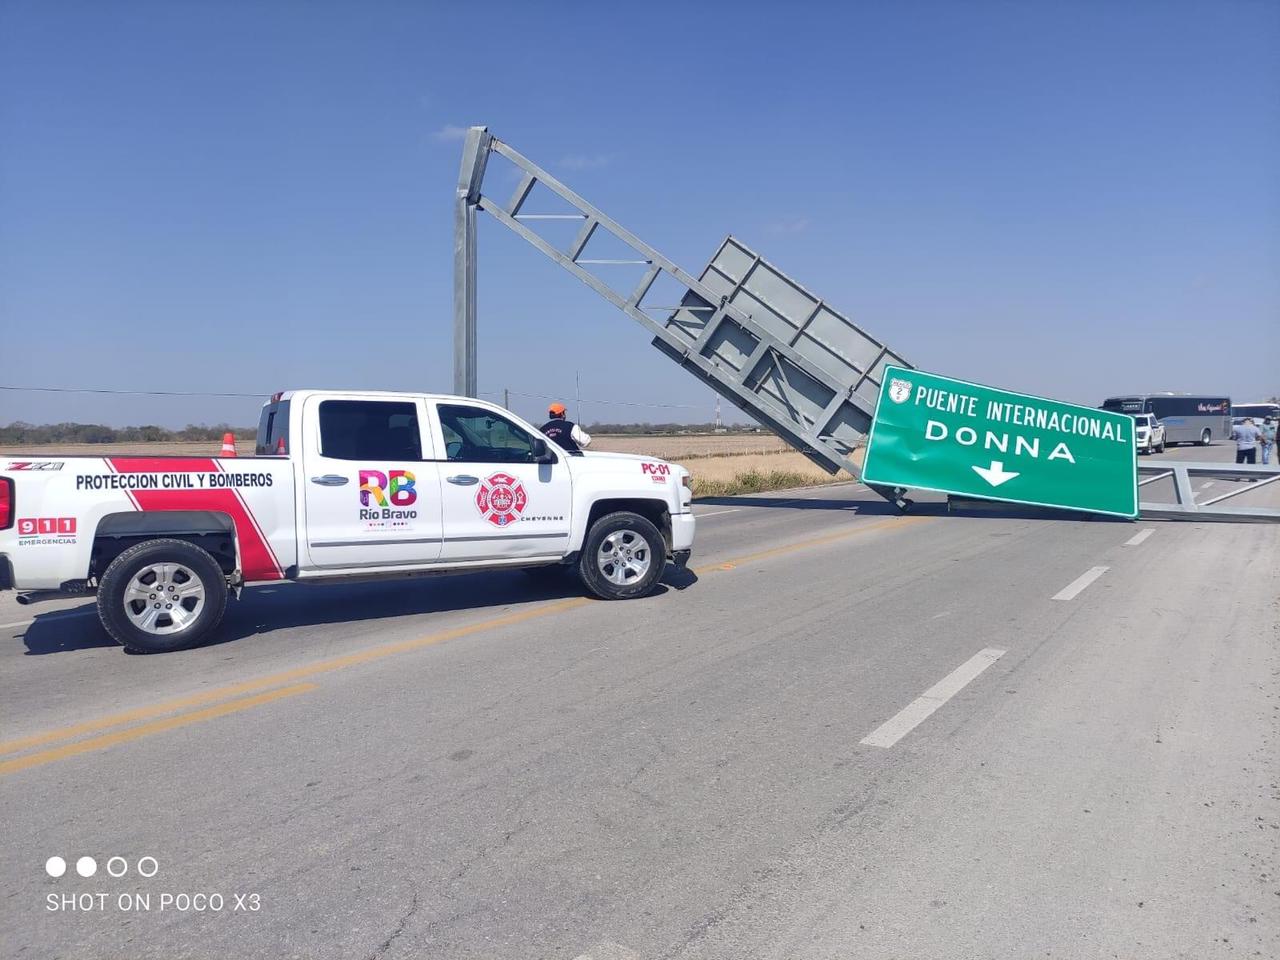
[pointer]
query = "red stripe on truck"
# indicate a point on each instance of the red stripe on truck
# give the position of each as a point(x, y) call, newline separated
point(164, 464)
point(257, 559)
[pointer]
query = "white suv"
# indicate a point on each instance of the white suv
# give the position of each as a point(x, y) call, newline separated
point(1148, 432)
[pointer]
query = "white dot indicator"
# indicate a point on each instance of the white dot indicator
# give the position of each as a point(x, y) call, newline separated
point(55, 866)
point(86, 866)
point(155, 867)
point(117, 866)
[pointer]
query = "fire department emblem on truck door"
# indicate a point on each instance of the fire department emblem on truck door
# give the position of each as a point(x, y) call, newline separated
point(501, 499)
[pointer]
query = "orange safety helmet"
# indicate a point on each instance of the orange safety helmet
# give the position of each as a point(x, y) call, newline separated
point(556, 410)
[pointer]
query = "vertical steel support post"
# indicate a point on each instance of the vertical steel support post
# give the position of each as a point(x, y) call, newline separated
point(475, 153)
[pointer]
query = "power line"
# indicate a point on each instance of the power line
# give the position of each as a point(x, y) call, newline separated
point(259, 396)
point(133, 393)
point(612, 403)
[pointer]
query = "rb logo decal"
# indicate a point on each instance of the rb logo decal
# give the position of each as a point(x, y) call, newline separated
point(501, 499)
point(396, 490)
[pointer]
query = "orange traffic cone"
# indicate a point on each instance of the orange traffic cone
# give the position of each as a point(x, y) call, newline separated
point(228, 445)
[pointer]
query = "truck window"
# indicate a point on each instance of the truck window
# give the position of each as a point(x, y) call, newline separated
point(370, 430)
point(273, 427)
point(474, 435)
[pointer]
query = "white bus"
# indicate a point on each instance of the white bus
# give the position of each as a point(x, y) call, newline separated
point(1259, 411)
point(1187, 417)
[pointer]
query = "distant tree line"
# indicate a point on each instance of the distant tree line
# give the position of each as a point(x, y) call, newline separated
point(666, 429)
point(31, 433)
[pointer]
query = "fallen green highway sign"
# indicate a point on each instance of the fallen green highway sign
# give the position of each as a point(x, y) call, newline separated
point(936, 433)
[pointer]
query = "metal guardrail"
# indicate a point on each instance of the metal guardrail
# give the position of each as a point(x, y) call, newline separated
point(1185, 506)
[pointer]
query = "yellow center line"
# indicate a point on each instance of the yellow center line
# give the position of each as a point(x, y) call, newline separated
point(147, 729)
point(335, 663)
point(275, 679)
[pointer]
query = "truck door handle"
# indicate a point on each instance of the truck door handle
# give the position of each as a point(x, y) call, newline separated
point(330, 480)
point(463, 480)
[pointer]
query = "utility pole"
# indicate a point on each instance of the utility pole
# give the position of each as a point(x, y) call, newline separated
point(577, 396)
point(506, 400)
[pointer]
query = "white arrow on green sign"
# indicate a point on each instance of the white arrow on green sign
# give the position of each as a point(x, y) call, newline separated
point(937, 433)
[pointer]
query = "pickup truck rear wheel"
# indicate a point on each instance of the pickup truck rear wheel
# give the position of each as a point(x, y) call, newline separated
point(623, 557)
point(162, 595)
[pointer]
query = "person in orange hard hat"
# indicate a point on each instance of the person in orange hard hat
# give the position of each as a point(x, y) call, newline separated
point(564, 431)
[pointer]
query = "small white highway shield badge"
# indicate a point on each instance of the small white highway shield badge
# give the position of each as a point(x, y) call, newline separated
point(899, 390)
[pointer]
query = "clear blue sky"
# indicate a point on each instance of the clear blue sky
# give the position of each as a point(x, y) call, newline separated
point(1072, 199)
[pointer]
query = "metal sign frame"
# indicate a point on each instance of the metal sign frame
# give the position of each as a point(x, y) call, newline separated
point(1186, 507)
point(797, 366)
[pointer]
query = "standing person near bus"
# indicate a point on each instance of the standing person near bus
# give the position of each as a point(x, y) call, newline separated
point(564, 431)
point(1246, 436)
point(1268, 438)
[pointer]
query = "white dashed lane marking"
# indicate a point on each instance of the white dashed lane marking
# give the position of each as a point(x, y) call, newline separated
point(920, 709)
point(1140, 536)
point(1074, 588)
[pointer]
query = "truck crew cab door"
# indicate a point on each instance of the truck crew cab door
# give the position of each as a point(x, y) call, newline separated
point(371, 493)
point(498, 503)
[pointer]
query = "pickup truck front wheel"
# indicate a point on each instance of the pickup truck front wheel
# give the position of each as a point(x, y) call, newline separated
point(623, 557)
point(162, 595)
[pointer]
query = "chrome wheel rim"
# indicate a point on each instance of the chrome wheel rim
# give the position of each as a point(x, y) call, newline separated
point(624, 557)
point(164, 598)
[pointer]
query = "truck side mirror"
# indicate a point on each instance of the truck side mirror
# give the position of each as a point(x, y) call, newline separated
point(541, 452)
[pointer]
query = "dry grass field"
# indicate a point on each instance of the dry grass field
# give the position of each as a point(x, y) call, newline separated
point(728, 464)
point(142, 449)
point(692, 446)
point(721, 464)
point(754, 473)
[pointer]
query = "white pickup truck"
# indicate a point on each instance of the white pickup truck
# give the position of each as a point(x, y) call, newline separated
point(343, 485)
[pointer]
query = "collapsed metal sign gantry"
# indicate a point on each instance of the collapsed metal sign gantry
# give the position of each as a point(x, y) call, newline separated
point(742, 327)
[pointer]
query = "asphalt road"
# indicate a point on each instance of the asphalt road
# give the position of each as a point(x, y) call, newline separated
point(846, 734)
